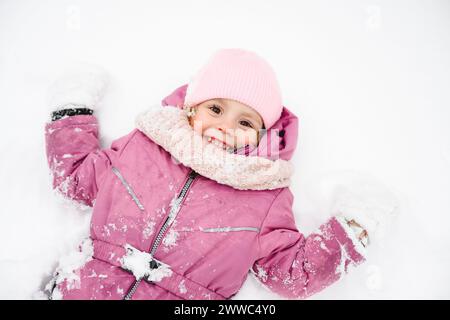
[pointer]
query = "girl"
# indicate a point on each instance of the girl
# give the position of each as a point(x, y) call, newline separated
point(197, 195)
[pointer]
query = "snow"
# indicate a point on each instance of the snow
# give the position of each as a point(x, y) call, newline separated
point(368, 79)
point(182, 287)
point(138, 263)
point(262, 274)
point(149, 229)
point(68, 264)
point(170, 240)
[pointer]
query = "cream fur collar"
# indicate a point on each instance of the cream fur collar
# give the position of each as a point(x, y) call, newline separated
point(169, 127)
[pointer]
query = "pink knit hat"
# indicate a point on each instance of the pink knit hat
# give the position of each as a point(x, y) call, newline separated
point(238, 75)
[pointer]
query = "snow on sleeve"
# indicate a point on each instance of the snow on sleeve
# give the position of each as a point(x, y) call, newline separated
point(68, 267)
point(359, 247)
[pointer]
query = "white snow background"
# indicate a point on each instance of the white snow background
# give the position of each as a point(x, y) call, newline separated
point(369, 80)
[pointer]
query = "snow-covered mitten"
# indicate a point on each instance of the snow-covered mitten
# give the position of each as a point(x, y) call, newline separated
point(368, 203)
point(80, 87)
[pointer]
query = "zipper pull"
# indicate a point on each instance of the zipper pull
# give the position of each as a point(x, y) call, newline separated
point(192, 174)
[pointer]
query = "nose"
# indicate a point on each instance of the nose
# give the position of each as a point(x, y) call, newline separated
point(226, 127)
point(223, 126)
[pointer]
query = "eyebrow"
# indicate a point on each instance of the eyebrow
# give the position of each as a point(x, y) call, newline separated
point(248, 114)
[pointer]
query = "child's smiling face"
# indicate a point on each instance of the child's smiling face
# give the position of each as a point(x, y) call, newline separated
point(232, 123)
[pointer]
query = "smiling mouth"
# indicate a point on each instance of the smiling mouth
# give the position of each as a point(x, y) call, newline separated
point(219, 143)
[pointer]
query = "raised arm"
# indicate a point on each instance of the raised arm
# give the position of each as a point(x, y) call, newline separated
point(297, 266)
point(72, 139)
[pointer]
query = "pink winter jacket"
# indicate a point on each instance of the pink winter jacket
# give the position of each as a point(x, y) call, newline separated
point(208, 223)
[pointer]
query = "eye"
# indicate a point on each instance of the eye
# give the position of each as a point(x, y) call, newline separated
point(215, 109)
point(246, 123)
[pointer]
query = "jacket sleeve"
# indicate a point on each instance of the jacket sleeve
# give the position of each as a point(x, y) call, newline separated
point(74, 156)
point(296, 266)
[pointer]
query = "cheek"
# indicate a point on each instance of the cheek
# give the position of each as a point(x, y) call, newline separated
point(247, 137)
point(199, 122)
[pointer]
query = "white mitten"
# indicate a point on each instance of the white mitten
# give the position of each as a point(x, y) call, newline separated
point(368, 203)
point(81, 86)
point(357, 197)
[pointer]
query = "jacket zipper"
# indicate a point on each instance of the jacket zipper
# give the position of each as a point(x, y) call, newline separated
point(174, 210)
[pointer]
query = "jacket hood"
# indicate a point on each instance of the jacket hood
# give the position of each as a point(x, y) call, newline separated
point(279, 141)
